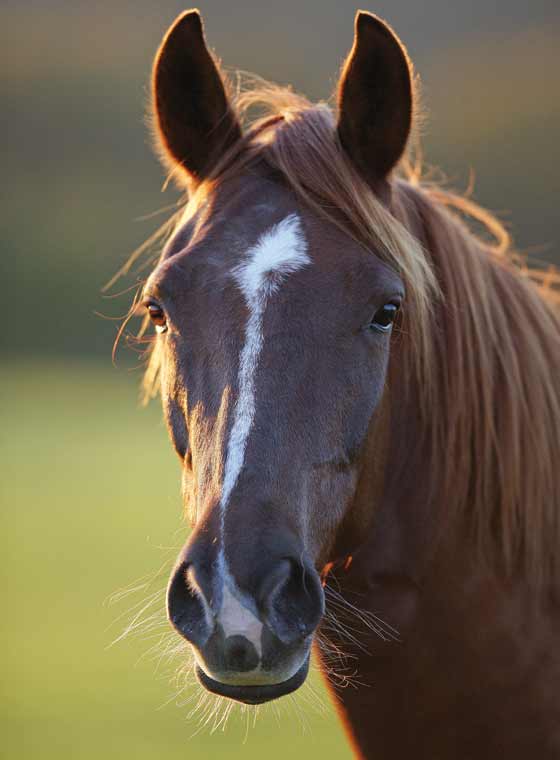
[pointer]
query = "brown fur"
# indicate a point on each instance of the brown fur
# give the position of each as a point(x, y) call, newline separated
point(484, 360)
point(453, 528)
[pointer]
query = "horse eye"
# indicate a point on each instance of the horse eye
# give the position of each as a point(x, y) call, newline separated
point(385, 316)
point(157, 317)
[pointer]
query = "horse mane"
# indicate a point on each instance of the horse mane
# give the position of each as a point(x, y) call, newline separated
point(480, 333)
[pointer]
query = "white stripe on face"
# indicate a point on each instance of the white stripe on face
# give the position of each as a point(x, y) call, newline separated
point(278, 253)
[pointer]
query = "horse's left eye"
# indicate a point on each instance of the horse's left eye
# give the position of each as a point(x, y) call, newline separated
point(384, 317)
point(157, 317)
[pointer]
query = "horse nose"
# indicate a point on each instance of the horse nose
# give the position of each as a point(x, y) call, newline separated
point(288, 600)
point(187, 606)
point(292, 600)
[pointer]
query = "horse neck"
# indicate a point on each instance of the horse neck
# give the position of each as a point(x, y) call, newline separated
point(459, 477)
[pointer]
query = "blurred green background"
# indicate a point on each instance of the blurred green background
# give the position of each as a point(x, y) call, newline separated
point(90, 487)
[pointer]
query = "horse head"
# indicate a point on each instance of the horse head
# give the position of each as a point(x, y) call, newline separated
point(275, 332)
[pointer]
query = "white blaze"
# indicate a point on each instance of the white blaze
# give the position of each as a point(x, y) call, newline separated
point(278, 253)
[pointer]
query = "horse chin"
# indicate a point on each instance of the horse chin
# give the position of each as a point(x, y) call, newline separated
point(254, 694)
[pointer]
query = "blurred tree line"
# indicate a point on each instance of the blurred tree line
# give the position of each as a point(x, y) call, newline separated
point(79, 175)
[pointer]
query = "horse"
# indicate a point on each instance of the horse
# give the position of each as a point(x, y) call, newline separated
point(359, 375)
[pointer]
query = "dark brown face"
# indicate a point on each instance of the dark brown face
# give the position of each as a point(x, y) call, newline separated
point(275, 349)
point(275, 330)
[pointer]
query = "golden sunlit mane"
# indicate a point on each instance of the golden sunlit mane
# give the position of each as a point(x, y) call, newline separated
point(480, 337)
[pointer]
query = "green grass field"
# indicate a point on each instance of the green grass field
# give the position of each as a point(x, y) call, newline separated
point(90, 505)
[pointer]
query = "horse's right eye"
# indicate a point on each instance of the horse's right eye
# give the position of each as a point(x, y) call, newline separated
point(157, 317)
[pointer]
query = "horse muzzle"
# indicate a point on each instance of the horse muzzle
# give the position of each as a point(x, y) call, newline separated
point(250, 647)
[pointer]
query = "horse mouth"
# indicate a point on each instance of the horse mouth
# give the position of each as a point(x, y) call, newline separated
point(254, 695)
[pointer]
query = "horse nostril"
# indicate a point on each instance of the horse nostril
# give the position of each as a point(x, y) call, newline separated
point(240, 654)
point(187, 609)
point(293, 600)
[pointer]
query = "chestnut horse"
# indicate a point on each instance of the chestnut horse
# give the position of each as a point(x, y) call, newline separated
point(365, 398)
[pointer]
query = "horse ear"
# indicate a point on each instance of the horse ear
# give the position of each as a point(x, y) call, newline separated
point(375, 99)
point(194, 121)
